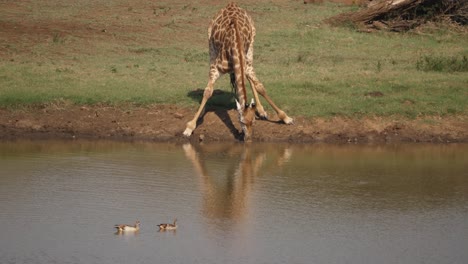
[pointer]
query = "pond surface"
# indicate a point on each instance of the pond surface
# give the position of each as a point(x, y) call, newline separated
point(234, 203)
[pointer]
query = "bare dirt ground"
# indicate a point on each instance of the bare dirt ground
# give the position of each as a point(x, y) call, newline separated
point(167, 122)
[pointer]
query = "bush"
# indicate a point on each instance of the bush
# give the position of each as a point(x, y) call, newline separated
point(442, 64)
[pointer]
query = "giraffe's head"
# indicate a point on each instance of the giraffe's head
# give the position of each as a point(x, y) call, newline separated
point(246, 118)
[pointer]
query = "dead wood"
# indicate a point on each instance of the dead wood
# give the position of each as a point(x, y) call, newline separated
point(402, 15)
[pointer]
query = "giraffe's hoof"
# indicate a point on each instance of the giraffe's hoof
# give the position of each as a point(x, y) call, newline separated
point(288, 120)
point(188, 132)
point(263, 116)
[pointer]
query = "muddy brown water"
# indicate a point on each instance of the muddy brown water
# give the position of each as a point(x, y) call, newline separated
point(235, 203)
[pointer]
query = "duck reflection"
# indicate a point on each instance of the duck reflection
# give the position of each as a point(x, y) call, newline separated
point(127, 234)
point(227, 184)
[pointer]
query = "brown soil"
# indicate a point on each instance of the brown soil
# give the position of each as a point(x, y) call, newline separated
point(167, 122)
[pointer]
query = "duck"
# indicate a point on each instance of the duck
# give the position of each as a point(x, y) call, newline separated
point(172, 226)
point(133, 228)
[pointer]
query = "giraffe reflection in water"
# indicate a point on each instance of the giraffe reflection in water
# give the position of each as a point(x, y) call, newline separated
point(227, 191)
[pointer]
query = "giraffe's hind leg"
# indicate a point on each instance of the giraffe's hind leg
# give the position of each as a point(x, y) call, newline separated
point(258, 88)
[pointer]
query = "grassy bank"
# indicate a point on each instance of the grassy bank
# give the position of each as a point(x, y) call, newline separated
point(147, 52)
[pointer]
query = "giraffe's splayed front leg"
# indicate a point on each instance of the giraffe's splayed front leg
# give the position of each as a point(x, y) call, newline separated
point(192, 124)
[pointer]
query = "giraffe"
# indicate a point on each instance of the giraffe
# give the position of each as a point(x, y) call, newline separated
point(231, 37)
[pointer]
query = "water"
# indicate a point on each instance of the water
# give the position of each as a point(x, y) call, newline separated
point(234, 203)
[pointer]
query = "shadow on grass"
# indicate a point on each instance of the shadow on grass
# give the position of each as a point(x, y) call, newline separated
point(219, 103)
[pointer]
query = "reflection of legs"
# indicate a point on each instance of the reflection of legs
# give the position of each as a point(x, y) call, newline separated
point(258, 87)
point(214, 75)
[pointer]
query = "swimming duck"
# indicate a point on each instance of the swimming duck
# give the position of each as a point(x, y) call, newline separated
point(168, 226)
point(135, 227)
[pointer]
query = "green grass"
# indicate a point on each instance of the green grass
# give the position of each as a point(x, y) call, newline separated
point(442, 64)
point(156, 53)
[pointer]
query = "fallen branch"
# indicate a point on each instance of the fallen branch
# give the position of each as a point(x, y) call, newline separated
point(402, 15)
